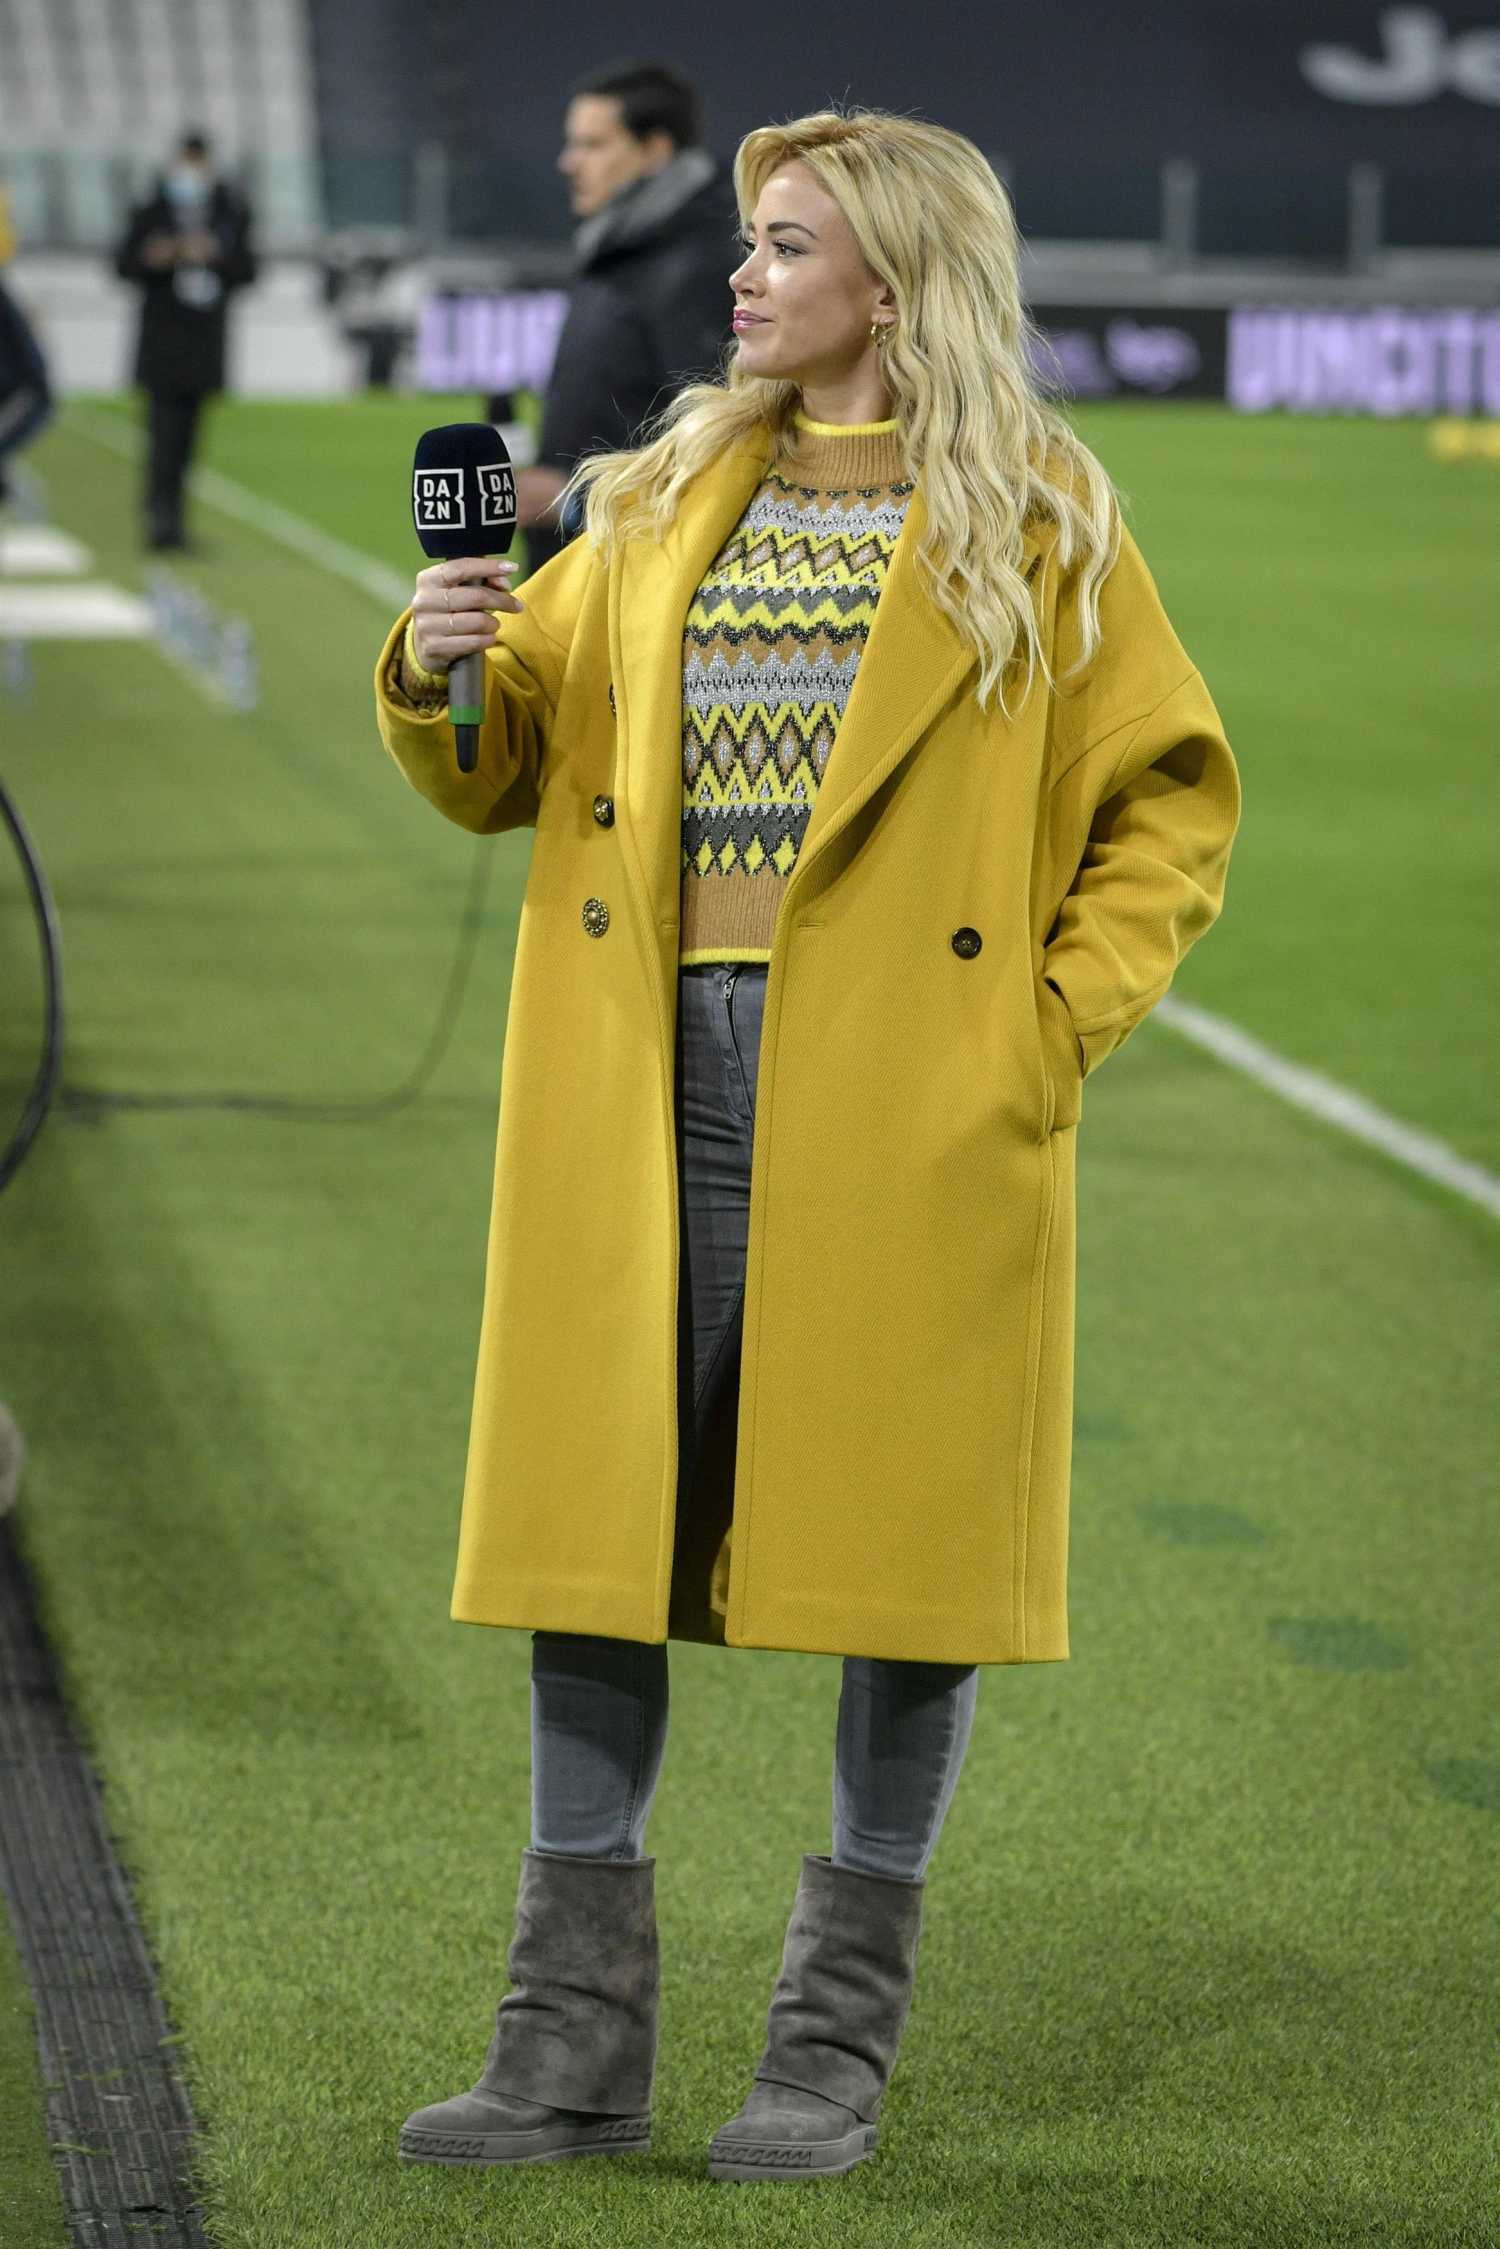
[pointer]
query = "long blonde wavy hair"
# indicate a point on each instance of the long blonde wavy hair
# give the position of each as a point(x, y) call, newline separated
point(990, 453)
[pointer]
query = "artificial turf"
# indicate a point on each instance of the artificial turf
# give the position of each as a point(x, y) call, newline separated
point(1210, 1933)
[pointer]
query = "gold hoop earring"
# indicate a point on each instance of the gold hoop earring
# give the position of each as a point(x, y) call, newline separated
point(880, 332)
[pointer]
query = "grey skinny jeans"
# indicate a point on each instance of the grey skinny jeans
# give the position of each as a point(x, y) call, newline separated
point(599, 1705)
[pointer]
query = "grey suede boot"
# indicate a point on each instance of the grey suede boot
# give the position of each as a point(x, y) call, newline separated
point(570, 2066)
point(837, 2015)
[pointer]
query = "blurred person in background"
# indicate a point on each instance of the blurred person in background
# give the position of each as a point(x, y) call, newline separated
point(25, 392)
point(649, 309)
point(188, 247)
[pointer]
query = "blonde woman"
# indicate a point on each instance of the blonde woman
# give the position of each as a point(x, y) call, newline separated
point(876, 801)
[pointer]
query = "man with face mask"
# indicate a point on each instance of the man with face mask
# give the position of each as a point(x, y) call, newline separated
point(188, 246)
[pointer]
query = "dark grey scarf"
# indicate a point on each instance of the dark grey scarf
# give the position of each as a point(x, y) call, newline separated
point(639, 209)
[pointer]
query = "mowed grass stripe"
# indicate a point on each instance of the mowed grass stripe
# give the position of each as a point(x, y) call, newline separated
point(1207, 1930)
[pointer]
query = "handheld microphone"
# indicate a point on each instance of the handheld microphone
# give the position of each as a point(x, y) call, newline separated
point(463, 502)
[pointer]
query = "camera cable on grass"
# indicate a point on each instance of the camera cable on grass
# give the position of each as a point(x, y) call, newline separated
point(44, 906)
point(91, 1102)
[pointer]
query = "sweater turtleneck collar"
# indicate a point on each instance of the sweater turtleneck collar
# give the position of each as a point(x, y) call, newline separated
point(843, 456)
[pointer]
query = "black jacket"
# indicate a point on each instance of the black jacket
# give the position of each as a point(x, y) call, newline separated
point(649, 311)
point(181, 343)
point(25, 392)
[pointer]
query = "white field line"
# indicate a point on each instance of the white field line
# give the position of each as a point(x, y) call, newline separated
point(294, 532)
point(1333, 1104)
point(1321, 1097)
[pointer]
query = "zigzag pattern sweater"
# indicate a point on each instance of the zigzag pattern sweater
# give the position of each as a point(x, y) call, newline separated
point(771, 645)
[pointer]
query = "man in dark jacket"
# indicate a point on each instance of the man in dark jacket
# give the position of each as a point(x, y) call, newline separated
point(25, 393)
point(188, 245)
point(651, 305)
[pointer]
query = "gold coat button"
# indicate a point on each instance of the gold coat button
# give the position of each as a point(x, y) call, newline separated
point(595, 916)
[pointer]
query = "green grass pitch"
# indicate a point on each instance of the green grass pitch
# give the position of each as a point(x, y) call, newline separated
point(1211, 1938)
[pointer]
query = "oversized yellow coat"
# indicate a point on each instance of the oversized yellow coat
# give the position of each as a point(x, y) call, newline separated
point(981, 911)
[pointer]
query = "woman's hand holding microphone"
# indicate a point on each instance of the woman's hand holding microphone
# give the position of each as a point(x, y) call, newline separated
point(453, 608)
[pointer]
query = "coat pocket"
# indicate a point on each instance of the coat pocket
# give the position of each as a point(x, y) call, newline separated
point(1062, 1059)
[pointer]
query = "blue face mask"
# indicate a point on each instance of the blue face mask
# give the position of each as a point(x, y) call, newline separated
point(186, 184)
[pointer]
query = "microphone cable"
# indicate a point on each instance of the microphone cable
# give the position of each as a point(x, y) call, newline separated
point(92, 1102)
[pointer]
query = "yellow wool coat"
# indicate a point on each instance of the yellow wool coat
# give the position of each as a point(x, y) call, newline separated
point(981, 911)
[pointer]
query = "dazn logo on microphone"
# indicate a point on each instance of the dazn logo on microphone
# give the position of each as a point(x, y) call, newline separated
point(438, 499)
point(497, 495)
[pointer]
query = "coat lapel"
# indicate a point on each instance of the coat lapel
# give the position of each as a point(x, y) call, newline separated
point(913, 662)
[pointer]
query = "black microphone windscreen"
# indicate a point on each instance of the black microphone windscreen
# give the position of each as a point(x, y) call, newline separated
point(463, 491)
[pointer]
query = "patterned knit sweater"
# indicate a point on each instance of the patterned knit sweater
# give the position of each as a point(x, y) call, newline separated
point(773, 639)
point(771, 645)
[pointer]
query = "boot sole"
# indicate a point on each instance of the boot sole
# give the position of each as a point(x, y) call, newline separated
point(548, 2144)
point(790, 2159)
